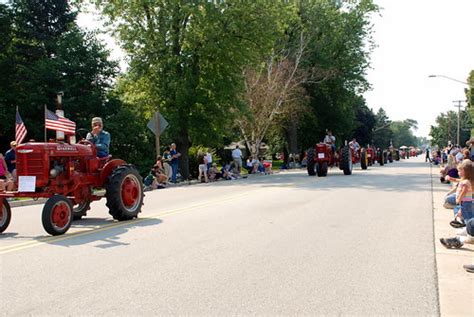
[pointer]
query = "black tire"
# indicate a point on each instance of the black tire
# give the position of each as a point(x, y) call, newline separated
point(310, 164)
point(385, 157)
point(346, 160)
point(124, 193)
point(324, 169)
point(390, 157)
point(80, 210)
point(380, 157)
point(363, 159)
point(57, 215)
point(5, 215)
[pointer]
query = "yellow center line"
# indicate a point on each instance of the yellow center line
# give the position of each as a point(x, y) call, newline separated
point(52, 239)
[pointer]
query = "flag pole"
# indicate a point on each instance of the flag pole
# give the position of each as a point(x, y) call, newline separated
point(45, 132)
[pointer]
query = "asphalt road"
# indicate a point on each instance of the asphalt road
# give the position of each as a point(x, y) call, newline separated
point(284, 244)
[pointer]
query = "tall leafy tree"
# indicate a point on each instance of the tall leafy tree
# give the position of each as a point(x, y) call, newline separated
point(445, 128)
point(45, 52)
point(382, 134)
point(187, 58)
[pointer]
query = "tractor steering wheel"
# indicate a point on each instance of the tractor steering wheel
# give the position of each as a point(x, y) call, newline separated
point(86, 142)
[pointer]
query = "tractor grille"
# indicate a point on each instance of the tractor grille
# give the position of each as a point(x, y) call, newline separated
point(31, 164)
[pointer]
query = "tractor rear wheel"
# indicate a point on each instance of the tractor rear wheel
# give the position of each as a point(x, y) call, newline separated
point(5, 215)
point(310, 163)
point(124, 193)
point(80, 210)
point(363, 159)
point(346, 160)
point(324, 169)
point(57, 215)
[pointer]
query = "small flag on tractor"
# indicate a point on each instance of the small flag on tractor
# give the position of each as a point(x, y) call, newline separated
point(57, 123)
point(20, 128)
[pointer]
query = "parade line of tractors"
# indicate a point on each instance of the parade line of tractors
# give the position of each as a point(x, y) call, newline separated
point(68, 175)
point(323, 156)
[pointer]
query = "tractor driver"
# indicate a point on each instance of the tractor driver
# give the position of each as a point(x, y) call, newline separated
point(99, 137)
point(354, 145)
point(331, 140)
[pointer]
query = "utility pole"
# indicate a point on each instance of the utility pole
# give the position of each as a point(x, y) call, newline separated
point(459, 116)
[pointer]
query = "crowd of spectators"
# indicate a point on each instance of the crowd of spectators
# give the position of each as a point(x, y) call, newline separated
point(457, 169)
point(163, 171)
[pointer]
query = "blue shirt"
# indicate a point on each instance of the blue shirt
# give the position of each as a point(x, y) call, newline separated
point(174, 160)
point(9, 157)
point(101, 142)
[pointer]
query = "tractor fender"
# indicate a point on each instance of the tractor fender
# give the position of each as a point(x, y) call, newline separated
point(108, 168)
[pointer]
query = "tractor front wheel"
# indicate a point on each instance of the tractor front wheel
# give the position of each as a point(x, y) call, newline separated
point(124, 193)
point(310, 163)
point(5, 215)
point(324, 169)
point(57, 215)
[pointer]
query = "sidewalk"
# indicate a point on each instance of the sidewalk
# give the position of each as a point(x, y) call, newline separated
point(455, 285)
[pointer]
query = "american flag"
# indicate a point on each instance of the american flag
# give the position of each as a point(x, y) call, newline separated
point(20, 129)
point(55, 122)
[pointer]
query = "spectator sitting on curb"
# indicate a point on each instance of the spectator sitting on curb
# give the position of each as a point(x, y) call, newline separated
point(464, 235)
point(227, 172)
point(450, 169)
point(214, 173)
point(249, 165)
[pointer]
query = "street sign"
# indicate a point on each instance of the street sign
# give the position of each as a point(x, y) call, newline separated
point(152, 123)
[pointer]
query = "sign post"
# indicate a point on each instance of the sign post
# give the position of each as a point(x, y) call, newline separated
point(156, 116)
point(157, 125)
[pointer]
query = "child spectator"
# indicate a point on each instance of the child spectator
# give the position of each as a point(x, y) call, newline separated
point(202, 161)
point(463, 212)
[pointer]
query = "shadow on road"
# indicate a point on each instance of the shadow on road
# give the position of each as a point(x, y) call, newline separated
point(108, 232)
point(91, 230)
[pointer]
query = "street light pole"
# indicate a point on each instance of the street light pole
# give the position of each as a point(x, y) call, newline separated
point(453, 79)
point(459, 116)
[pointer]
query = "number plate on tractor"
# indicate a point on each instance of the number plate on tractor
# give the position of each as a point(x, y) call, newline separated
point(320, 155)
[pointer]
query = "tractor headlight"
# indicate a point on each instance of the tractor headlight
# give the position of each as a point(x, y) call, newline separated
point(53, 172)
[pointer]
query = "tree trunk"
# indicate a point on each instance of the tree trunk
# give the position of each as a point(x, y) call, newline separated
point(292, 137)
point(183, 146)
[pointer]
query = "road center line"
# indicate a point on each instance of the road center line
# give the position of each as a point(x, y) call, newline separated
point(52, 239)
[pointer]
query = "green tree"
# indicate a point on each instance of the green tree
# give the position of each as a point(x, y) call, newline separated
point(187, 59)
point(47, 53)
point(470, 100)
point(340, 43)
point(382, 134)
point(366, 121)
point(402, 133)
point(445, 128)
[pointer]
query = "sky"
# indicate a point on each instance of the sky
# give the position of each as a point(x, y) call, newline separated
point(415, 39)
point(418, 38)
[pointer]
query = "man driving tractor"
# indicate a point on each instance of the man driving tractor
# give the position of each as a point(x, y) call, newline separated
point(331, 140)
point(354, 145)
point(99, 137)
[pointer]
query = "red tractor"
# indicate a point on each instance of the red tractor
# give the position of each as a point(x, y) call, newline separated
point(322, 157)
point(66, 174)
